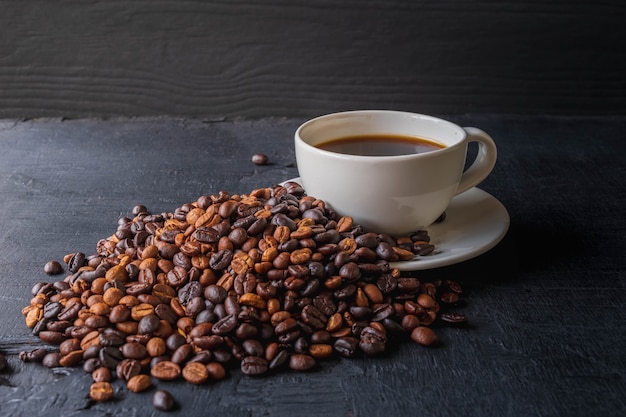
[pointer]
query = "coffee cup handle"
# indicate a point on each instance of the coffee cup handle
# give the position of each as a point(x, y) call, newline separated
point(484, 162)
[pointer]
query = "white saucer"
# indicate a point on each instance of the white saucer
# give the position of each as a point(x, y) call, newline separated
point(475, 222)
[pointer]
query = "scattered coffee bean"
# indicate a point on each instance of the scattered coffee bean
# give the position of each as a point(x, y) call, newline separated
point(53, 268)
point(259, 159)
point(162, 400)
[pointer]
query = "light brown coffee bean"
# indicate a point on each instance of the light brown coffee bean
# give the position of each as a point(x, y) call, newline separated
point(101, 391)
point(424, 336)
point(139, 383)
point(165, 370)
point(195, 373)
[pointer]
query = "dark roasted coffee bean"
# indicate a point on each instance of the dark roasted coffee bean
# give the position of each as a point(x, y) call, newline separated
point(111, 339)
point(382, 311)
point(301, 362)
point(254, 365)
point(91, 365)
point(182, 353)
point(361, 313)
point(35, 355)
point(127, 369)
point(386, 283)
point(325, 304)
point(162, 400)
point(53, 268)
point(312, 316)
point(454, 317)
point(76, 261)
point(346, 346)
point(253, 347)
point(225, 325)
point(148, 324)
point(133, 350)
point(51, 360)
point(215, 293)
point(372, 341)
point(110, 357)
point(53, 338)
point(345, 292)
point(165, 312)
point(259, 159)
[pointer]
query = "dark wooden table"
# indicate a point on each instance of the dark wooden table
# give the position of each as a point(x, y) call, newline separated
point(547, 330)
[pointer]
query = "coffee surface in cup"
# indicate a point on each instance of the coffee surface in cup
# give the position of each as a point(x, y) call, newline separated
point(380, 145)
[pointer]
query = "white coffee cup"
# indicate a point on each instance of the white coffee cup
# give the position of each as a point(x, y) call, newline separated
point(399, 194)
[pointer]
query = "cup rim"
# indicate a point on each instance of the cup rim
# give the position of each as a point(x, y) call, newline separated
point(371, 158)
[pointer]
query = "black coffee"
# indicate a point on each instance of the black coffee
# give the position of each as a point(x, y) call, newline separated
point(380, 145)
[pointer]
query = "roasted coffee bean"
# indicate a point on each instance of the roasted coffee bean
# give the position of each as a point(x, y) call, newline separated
point(35, 355)
point(225, 325)
point(127, 368)
point(162, 400)
point(182, 353)
point(424, 336)
point(312, 316)
point(259, 159)
point(53, 268)
point(165, 370)
point(346, 346)
point(101, 391)
point(254, 365)
point(53, 338)
point(454, 317)
point(76, 261)
point(148, 324)
point(301, 362)
point(139, 383)
point(372, 341)
point(110, 357)
point(51, 360)
point(111, 338)
point(195, 373)
point(386, 283)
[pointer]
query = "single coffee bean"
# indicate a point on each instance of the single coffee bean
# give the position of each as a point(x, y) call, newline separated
point(301, 362)
point(162, 400)
point(139, 383)
point(101, 391)
point(102, 374)
point(454, 317)
point(148, 324)
point(195, 373)
point(35, 355)
point(127, 369)
point(110, 357)
point(165, 370)
point(424, 336)
point(346, 346)
point(259, 159)
point(216, 371)
point(254, 365)
point(53, 268)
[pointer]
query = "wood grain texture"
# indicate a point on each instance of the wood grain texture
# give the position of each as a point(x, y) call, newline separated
point(300, 58)
point(546, 306)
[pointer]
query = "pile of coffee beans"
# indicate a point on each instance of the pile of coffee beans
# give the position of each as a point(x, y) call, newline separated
point(268, 281)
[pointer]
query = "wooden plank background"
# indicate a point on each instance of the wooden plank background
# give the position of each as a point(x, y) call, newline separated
point(255, 58)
